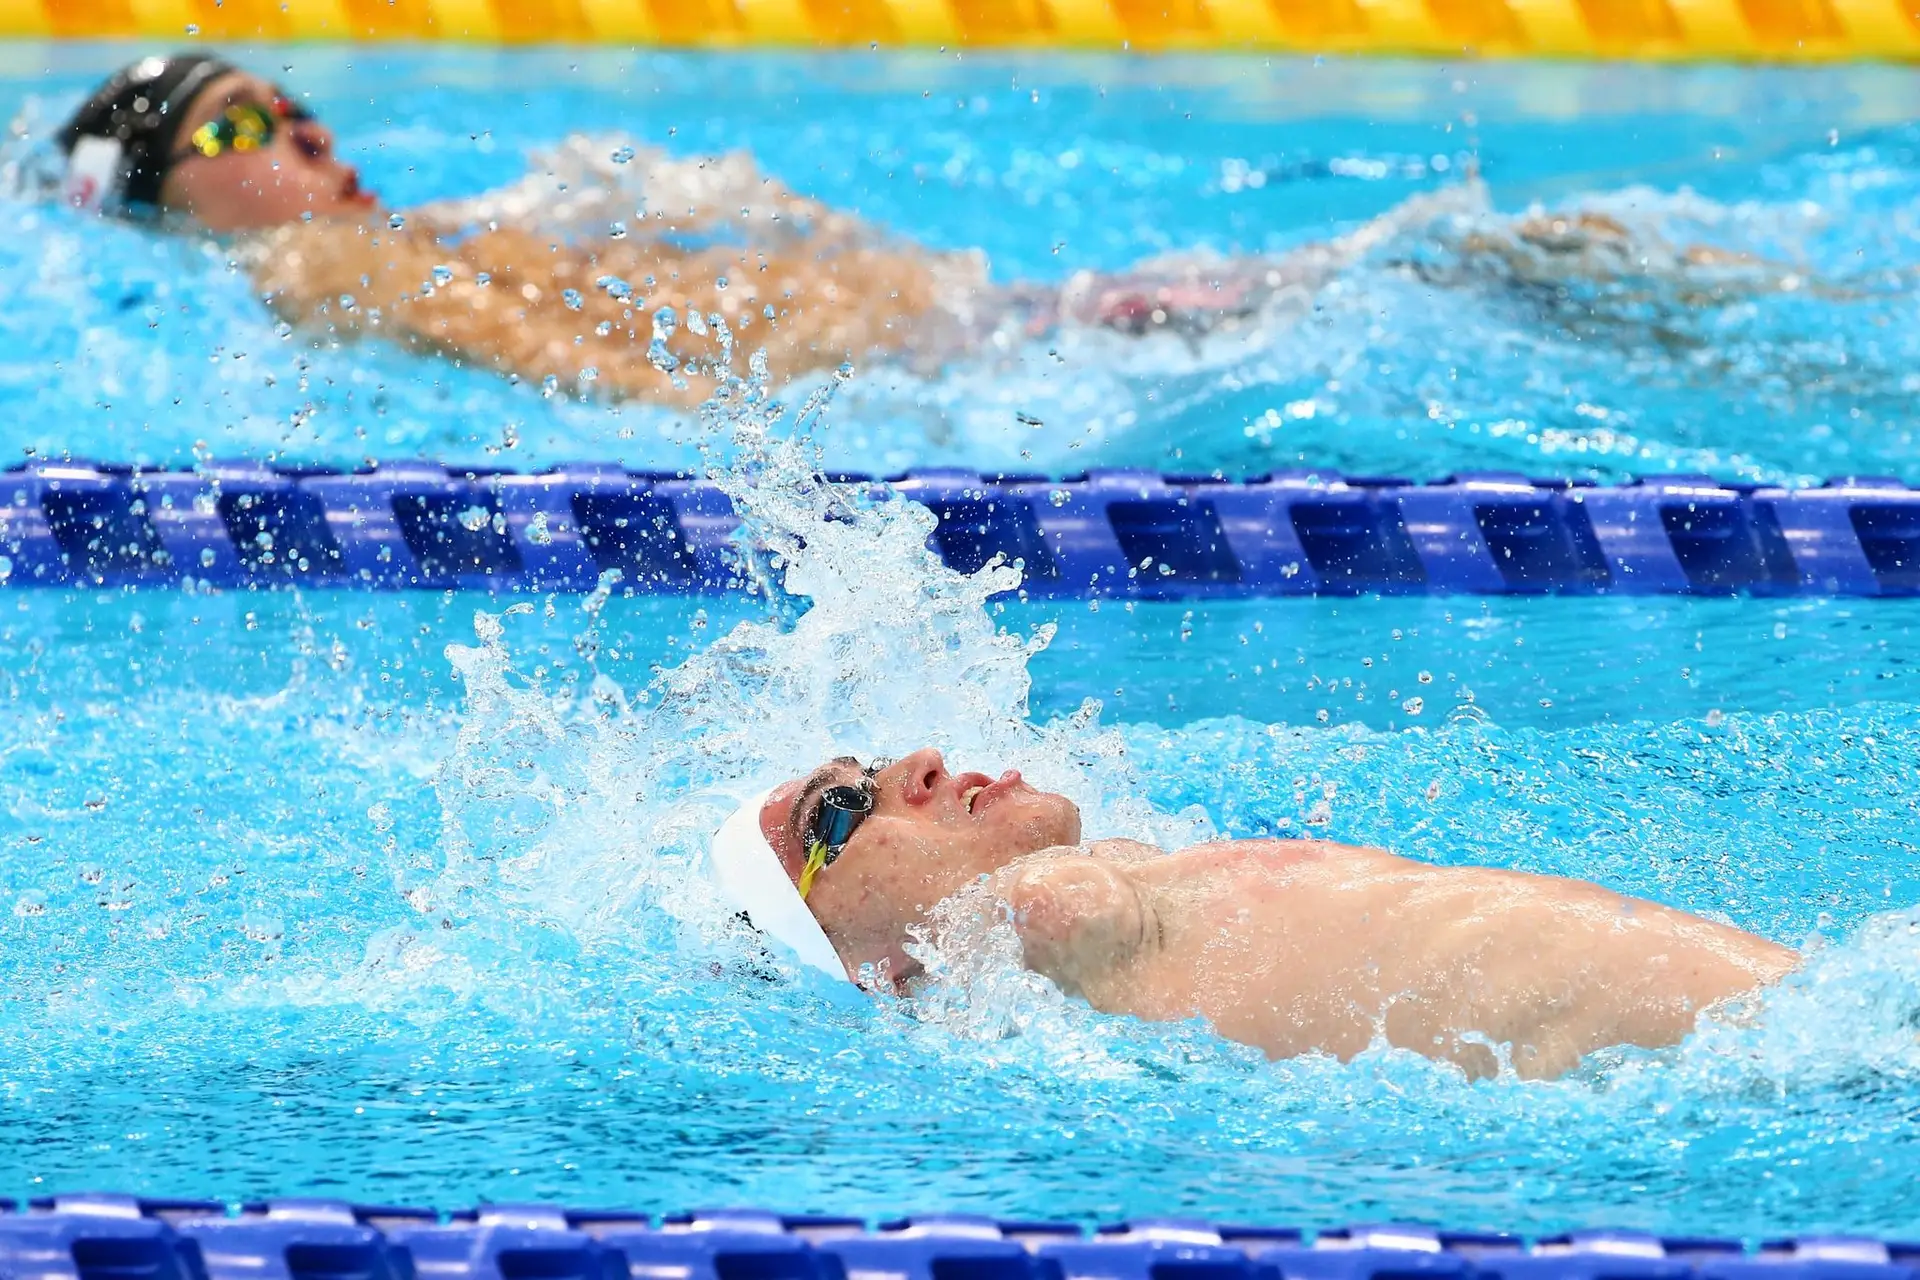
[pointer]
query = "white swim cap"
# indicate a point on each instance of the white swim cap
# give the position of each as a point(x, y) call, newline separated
point(750, 878)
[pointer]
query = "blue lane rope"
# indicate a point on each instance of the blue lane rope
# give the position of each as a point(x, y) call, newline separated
point(408, 525)
point(108, 1237)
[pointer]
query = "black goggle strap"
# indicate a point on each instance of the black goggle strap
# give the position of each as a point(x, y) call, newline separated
point(841, 811)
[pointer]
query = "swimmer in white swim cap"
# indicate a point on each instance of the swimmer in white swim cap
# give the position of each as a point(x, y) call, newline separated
point(1293, 946)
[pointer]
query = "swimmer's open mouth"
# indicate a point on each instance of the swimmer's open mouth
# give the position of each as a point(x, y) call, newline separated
point(976, 799)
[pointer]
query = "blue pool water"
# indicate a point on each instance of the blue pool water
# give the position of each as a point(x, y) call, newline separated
point(392, 896)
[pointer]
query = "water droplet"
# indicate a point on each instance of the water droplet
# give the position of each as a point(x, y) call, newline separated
point(617, 231)
point(549, 387)
point(621, 155)
point(396, 220)
point(720, 283)
point(537, 531)
point(443, 275)
point(572, 298)
point(475, 518)
point(346, 302)
point(207, 557)
point(1414, 706)
point(483, 279)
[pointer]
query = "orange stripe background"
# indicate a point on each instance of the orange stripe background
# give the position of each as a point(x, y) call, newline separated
point(1664, 29)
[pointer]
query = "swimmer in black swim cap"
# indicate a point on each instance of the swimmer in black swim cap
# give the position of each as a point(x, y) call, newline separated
point(494, 282)
point(192, 134)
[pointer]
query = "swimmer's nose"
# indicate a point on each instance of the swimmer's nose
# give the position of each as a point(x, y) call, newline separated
point(921, 775)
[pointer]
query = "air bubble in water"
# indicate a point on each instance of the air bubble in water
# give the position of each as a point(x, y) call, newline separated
point(665, 324)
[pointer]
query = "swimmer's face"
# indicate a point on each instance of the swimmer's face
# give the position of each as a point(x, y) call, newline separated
point(295, 174)
point(931, 833)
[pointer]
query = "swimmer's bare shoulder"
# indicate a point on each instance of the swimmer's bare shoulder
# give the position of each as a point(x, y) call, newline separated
point(1079, 912)
point(1090, 916)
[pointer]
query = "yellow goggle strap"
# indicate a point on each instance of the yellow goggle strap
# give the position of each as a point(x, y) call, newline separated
point(816, 859)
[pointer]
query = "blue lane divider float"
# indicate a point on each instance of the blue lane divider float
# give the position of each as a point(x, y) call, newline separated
point(1107, 533)
point(106, 1237)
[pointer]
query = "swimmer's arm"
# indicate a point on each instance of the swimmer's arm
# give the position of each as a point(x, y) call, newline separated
point(1080, 919)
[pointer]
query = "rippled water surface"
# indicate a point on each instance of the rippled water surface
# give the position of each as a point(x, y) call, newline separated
point(394, 896)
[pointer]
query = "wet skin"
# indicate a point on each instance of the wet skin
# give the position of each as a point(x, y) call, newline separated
point(1293, 946)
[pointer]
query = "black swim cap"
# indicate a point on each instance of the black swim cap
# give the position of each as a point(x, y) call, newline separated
point(119, 145)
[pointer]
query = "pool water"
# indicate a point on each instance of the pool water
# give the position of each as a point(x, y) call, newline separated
point(395, 897)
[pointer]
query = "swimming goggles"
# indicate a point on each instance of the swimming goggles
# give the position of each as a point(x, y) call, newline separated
point(842, 810)
point(245, 126)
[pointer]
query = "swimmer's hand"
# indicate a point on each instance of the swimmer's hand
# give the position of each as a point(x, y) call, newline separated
point(1081, 920)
